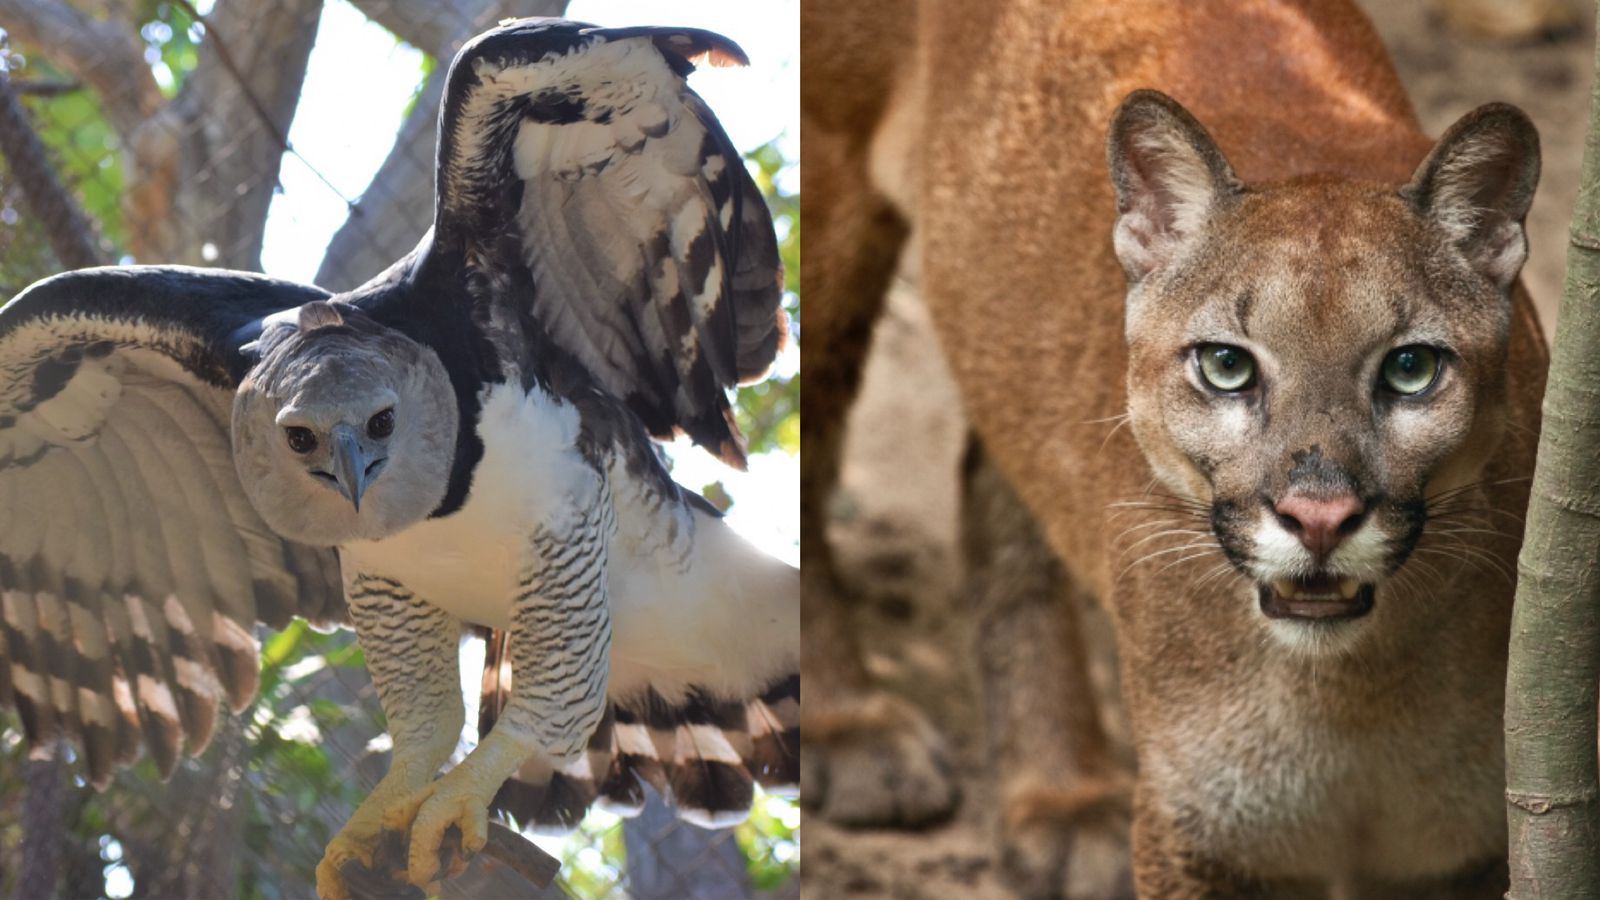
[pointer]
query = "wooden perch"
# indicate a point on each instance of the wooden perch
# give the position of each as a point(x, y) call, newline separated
point(522, 856)
point(507, 853)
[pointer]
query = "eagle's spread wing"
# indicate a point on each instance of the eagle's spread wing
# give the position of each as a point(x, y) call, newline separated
point(579, 156)
point(132, 566)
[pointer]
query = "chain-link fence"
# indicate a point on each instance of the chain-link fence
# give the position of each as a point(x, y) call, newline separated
point(160, 132)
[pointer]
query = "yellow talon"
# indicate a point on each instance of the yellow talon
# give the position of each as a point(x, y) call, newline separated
point(424, 818)
point(444, 809)
point(330, 877)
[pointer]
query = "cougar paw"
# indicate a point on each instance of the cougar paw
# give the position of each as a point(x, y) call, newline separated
point(1069, 844)
point(876, 761)
point(428, 815)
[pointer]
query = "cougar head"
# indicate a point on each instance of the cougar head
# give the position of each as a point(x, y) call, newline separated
point(1318, 360)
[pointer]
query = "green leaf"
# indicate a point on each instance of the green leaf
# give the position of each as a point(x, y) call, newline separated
point(717, 496)
point(771, 847)
point(283, 644)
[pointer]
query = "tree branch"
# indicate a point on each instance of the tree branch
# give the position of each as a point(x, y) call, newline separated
point(104, 53)
point(434, 28)
point(45, 88)
point(397, 207)
point(71, 237)
point(509, 865)
point(204, 169)
point(43, 803)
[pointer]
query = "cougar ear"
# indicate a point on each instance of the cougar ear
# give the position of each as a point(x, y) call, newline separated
point(1169, 178)
point(1477, 185)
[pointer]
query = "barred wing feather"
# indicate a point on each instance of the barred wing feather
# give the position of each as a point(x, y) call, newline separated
point(580, 156)
point(133, 569)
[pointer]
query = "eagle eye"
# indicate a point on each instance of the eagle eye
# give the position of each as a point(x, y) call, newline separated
point(301, 440)
point(381, 425)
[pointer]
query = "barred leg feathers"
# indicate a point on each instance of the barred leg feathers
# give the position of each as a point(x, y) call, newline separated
point(540, 797)
point(704, 754)
point(412, 650)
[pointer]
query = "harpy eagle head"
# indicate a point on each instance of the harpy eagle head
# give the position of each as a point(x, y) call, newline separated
point(345, 430)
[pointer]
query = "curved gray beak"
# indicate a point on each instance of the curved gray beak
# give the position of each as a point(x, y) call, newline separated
point(351, 465)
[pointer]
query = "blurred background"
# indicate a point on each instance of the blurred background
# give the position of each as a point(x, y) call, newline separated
point(296, 137)
point(894, 518)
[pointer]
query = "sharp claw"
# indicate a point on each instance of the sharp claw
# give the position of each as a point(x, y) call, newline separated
point(453, 854)
point(444, 830)
point(331, 883)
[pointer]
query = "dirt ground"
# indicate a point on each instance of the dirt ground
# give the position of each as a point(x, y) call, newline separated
point(895, 516)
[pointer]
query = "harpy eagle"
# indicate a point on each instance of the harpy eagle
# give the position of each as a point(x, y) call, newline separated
point(464, 440)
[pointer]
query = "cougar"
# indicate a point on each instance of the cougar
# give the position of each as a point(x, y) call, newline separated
point(1248, 353)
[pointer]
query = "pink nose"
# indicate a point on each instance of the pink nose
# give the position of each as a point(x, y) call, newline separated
point(1320, 522)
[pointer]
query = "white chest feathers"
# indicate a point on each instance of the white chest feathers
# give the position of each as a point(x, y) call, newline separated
point(691, 601)
point(531, 472)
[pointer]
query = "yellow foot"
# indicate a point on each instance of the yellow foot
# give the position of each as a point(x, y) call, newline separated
point(428, 815)
point(349, 844)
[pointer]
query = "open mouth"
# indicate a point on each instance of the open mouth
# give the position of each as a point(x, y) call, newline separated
point(1318, 597)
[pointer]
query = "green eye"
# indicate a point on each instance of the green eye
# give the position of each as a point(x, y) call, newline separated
point(1410, 370)
point(1227, 368)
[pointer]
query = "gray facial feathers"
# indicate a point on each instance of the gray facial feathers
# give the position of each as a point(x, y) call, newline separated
point(345, 430)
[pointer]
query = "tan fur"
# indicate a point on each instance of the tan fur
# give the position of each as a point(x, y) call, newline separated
point(870, 717)
point(871, 774)
point(1368, 767)
point(1064, 788)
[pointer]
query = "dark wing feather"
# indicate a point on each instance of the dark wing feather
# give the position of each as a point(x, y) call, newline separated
point(133, 569)
point(580, 156)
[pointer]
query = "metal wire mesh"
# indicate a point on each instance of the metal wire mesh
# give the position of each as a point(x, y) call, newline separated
point(159, 134)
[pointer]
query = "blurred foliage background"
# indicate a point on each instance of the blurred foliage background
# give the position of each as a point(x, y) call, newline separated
point(155, 137)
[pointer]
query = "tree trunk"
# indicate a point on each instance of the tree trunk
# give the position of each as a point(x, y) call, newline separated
point(1552, 782)
point(200, 170)
point(397, 207)
point(203, 170)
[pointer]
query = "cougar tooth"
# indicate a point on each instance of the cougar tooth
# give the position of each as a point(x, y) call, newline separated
point(1349, 587)
point(1285, 587)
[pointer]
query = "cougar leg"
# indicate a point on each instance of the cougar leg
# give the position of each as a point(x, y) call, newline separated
point(870, 758)
point(1063, 803)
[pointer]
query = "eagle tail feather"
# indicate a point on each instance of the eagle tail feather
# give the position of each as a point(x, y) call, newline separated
point(704, 755)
